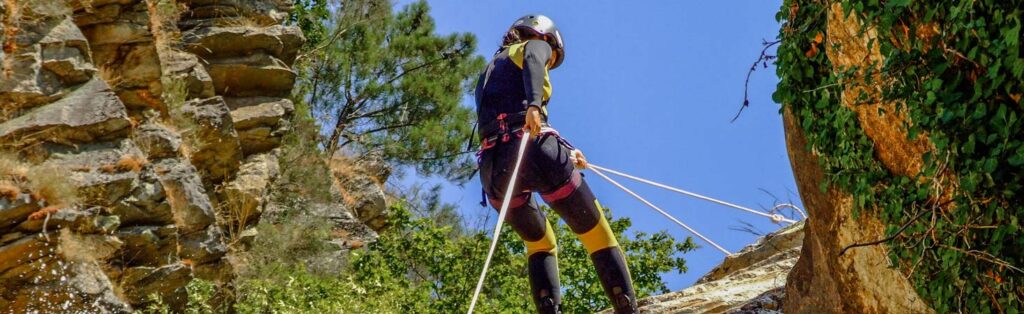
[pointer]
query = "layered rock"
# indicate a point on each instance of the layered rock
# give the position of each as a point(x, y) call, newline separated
point(159, 116)
point(750, 281)
point(361, 183)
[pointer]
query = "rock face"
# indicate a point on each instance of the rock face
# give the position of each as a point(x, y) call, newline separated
point(861, 280)
point(750, 281)
point(156, 122)
point(361, 183)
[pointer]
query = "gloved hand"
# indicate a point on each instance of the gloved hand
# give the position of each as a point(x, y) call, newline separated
point(577, 158)
point(533, 120)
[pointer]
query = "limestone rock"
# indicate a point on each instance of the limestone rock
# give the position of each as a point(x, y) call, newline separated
point(82, 221)
point(77, 88)
point(65, 53)
point(279, 41)
point(169, 281)
point(260, 121)
point(89, 113)
point(186, 67)
point(259, 111)
point(348, 232)
point(374, 165)
point(203, 247)
point(217, 152)
point(234, 76)
point(50, 55)
point(149, 245)
point(63, 271)
point(862, 280)
point(246, 193)
point(747, 282)
point(157, 141)
point(367, 200)
point(14, 211)
point(185, 194)
point(235, 12)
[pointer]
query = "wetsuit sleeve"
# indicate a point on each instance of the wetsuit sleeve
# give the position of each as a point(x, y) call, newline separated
point(535, 62)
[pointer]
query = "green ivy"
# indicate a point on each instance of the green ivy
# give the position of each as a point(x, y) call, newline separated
point(956, 69)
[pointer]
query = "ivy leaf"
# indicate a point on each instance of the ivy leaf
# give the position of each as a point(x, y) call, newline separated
point(897, 4)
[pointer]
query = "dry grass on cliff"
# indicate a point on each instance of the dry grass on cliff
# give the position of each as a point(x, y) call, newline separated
point(51, 184)
point(343, 167)
point(46, 183)
point(174, 96)
point(166, 14)
point(236, 215)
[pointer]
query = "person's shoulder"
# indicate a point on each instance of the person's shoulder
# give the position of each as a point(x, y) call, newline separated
point(538, 45)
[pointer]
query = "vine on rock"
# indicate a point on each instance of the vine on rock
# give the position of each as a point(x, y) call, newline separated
point(956, 73)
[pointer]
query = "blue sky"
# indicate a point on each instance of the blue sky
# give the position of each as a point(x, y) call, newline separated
point(648, 88)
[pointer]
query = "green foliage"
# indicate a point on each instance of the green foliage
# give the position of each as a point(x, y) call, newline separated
point(955, 68)
point(423, 265)
point(312, 181)
point(309, 16)
point(442, 269)
point(385, 81)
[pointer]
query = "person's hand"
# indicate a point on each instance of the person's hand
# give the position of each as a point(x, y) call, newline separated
point(578, 159)
point(533, 120)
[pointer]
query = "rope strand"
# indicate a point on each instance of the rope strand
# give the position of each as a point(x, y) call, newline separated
point(695, 195)
point(501, 218)
point(663, 213)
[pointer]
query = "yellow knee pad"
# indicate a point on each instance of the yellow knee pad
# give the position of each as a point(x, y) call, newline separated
point(600, 236)
point(545, 244)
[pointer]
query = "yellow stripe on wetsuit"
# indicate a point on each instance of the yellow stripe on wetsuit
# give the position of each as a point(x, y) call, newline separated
point(545, 244)
point(600, 236)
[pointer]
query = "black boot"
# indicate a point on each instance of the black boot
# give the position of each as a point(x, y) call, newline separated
point(543, 271)
point(623, 302)
point(611, 269)
point(547, 305)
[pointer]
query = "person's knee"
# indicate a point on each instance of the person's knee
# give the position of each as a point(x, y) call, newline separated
point(547, 243)
point(599, 237)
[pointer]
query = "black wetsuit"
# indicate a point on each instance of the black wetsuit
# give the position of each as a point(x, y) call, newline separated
point(515, 79)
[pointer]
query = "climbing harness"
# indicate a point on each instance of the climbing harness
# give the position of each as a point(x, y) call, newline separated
point(501, 218)
point(774, 217)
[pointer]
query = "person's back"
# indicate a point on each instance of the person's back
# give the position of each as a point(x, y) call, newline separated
point(501, 88)
point(512, 96)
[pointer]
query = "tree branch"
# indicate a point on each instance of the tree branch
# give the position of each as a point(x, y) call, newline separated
point(337, 34)
point(763, 58)
point(898, 232)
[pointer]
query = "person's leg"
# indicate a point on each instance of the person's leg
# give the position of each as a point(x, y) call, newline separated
point(525, 217)
point(577, 205)
point(541, 251)
point(565, 190)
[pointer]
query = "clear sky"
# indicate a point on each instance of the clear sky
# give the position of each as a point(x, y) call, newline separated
point(648, 88)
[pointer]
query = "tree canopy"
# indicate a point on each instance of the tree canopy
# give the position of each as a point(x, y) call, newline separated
point(382, 80)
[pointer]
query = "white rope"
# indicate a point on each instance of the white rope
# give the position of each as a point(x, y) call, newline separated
point(597, 170)
point(785, 205)
point(501, 218)
point(773, 217)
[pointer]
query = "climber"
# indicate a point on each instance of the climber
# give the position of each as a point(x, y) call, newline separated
point(511, 97)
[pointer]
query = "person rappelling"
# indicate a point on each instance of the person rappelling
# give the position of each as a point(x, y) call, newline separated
point(512, 95)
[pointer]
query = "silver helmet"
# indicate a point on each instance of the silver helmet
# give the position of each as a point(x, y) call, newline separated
point(545, 27)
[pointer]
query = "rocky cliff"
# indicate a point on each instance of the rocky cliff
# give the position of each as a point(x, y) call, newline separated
point(138, 144)
point(750, 281)
point(829, 274)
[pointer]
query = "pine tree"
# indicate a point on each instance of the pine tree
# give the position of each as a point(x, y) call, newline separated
point(380, 80)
